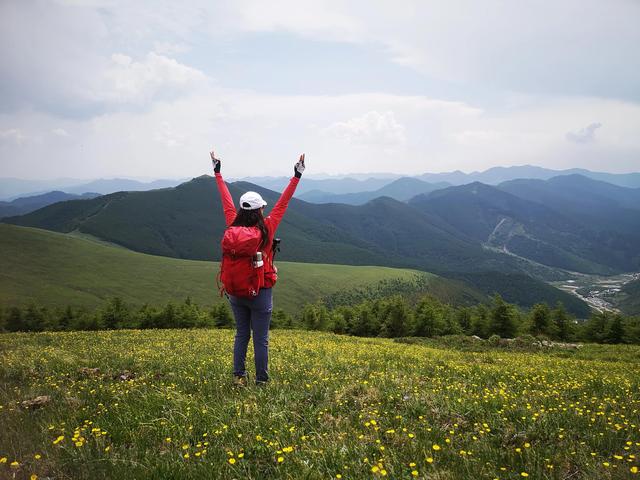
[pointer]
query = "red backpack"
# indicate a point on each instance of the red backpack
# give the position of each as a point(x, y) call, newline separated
point(238, 275)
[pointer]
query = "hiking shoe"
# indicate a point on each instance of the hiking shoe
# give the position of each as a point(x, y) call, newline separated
point(261, 384)
point(240, 381)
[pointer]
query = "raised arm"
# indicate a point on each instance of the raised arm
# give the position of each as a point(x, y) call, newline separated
point(277, 212)
point(228, 207)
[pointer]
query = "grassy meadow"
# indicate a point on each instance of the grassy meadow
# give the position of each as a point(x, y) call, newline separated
point(71, 270)
point(161, 405)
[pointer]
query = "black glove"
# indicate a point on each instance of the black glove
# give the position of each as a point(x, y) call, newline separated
point(298, 168)
point(215, 161)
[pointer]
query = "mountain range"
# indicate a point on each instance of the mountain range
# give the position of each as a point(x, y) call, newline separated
point(23, 205)
point(598, 205)
point(15, 188)
point(497, 175)
point(402, 189)
point(483, 235)
point(319, 190)
point(530, 229)
point(357, 183)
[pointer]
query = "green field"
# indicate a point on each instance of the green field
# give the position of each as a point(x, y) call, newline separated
point(337, 407)
point(52, 268)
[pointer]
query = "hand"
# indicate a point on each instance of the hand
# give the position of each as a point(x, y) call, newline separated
point(298, 168)
point(215, 161)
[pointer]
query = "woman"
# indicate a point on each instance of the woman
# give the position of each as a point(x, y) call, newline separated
point(255, 313)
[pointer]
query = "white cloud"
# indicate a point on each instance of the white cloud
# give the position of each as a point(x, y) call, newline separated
point(61, 132)
point(323, 19)
point(13, 135)
point(151, 110)
point(372, 128)
point(80, 59)
point(517, 46)
point(168, 137)
point(128, 81)
point(584, 135)
point(259, 134)
point(170, 48)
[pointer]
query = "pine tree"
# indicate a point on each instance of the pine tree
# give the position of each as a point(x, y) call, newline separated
point(615, 332)
point(503, 321)
point(315, 317)
point(562, 322)
point(595, 329)
point(362, 322)
point(429, 321)
point(452, 327)
point(397, 317)
point(116, 314)
point(188, 314)
point(632, 330)
point(480, 321)
point(146, 317)
point(280, 319)
point(540, 322)
point(464, 318)
point(66, 318)
point(14, 320)
point(338, 323)
point(33, 318)
point(168, 316)
point(221, 315)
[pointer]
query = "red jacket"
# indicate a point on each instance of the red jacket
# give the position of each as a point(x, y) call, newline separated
point(271, 222)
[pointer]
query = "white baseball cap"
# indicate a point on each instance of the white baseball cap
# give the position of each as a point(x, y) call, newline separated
point(251, 201)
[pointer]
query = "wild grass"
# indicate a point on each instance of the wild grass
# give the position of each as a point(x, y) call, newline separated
point(162, 405)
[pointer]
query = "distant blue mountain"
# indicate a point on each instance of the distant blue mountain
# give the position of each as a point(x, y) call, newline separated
point(320, 190)
point(401, 189)
point(335, 186)
point(105, 186)
point(23, 205)
point(599, 205)
point(12, 188)
point(496, 175)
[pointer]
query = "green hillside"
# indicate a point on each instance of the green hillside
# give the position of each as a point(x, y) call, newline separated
point(181, 222)
point(523, 227)
point(60, 269)
point(628, 300)
point(520, 289)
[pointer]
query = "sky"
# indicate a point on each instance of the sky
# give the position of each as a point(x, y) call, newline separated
point(144, 89)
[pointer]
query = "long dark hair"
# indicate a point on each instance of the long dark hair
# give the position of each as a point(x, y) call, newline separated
point(252, 218)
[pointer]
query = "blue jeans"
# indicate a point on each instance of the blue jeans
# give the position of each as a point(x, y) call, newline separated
point(252, 314)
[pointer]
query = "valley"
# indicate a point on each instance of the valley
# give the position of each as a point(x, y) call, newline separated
point(600, 292)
